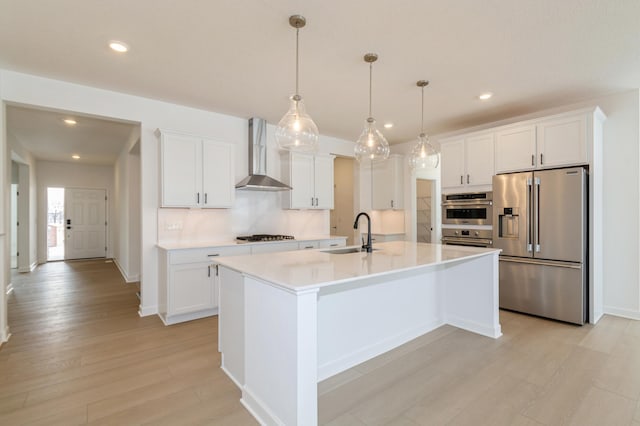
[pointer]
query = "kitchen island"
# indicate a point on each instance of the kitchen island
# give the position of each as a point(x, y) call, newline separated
point(289, 320)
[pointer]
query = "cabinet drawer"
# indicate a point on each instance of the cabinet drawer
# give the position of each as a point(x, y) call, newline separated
point(177, 257)
point(338, 242)
point(305, 245)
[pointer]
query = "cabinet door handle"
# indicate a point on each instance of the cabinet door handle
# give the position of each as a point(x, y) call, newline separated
point(460, 179)
point(541, 162)
point(391, 203)
point(333, 245)
point(209, 271)
point(213, 255)
point(311, 201)
point(467, 179)
point(205, 198)
point(197, 198)
point(316, 201)
point(533, 160)
point(308, 247)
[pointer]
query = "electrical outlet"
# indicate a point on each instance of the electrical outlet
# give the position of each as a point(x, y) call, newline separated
point(175, 226)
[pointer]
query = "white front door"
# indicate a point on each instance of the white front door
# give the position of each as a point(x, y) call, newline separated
point(85, 223)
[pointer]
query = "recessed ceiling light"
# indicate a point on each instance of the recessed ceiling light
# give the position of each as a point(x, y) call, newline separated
point(118, 46)
point(75, 157)
point(388, 125)
point(485, 96)
point(70, 121)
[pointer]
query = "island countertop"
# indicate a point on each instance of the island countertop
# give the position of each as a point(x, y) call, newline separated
point(310, 269)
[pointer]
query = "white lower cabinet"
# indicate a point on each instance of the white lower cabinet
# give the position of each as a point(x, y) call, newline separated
point(188, 281)
point(192, 289)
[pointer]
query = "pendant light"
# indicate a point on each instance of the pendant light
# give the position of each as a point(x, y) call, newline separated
point(296, 131)
point(371, 145)
point(424, 156)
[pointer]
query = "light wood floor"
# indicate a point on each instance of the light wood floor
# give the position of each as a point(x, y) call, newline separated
point(80, 354)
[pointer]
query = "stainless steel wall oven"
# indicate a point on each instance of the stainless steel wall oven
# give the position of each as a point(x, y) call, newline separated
point(471, 208)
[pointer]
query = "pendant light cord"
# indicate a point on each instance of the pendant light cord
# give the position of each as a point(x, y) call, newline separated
point(297, 60)
point(370, 85)
point(422, 120)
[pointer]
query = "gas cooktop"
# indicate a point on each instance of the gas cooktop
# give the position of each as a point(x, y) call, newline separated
point(263, 237)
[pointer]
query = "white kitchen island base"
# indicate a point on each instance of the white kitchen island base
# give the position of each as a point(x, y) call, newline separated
point(292, 320)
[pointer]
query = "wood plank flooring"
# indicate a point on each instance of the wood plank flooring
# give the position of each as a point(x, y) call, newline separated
point(80, 354)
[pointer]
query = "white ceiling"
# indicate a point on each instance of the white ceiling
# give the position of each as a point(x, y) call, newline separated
point(47, 137)
point(237, 56)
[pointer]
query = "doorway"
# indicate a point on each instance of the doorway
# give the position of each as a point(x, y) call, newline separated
point(424, 210)
point(76, 223)
point(342, 215)
point(55, 224)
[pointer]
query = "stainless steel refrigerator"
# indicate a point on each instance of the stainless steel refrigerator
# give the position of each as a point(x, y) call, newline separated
point(540, 223)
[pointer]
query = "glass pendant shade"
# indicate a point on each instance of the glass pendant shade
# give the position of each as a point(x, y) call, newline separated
point(371, 145)
point(424, 156)
point(296, 131)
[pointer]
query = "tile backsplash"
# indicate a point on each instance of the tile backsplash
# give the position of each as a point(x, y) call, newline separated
point(254, 212)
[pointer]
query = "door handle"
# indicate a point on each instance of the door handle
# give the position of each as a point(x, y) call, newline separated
point(467, 179)
point(461, 180)
point(533, 160)
point(529, 207)
point(205, 198)
point(541, 162)
point(197, 198)
point(537, 212)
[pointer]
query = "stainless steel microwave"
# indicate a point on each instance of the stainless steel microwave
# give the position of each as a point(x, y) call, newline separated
point(471, 208)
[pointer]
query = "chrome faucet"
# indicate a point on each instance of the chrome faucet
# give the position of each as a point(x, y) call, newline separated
point(366, 246)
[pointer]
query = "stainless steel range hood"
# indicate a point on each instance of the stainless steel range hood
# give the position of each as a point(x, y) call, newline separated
point(258, 179)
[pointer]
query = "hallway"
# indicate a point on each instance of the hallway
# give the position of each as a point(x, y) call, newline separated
point(79, 353)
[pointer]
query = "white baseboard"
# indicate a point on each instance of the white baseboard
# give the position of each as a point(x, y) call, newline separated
point(145, 311)
point(175, 319)
point(5, 335)
point(128, 278)
point(258, 409)
point(625, 313)
point(475, 327)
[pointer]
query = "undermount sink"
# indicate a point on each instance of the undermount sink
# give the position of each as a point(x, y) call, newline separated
point(347, 250)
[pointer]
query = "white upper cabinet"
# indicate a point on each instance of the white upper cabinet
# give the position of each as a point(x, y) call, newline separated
point(516, 148)
point(387, 189)
point(546, 143)
point(452, 157)
point(311, 177)
point(196, 172)
point(562, 141)
point(467, 160)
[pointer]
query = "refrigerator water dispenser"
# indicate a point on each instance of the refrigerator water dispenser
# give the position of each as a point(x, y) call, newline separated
point(508, 220)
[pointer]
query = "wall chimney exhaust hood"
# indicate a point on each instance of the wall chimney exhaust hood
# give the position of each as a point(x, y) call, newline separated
point(258, 179)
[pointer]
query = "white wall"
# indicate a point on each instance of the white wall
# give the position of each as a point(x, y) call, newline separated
point(151, 114)
point(70, 175)
point(126, 205)
point(5, 176)
point(27, 208)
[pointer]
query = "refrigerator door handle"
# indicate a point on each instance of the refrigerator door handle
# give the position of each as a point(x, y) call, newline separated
point(528, 209)
point(537, 213)
point(528, 261)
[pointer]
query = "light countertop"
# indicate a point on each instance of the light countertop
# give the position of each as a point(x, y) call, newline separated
point(308, 269)
point(181, 245)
